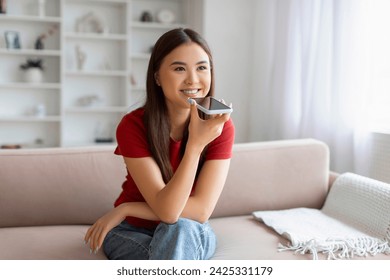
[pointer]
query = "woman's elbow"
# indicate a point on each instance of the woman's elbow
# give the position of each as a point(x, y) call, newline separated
point(202, 216)
point(169, 218)
point(172, 219)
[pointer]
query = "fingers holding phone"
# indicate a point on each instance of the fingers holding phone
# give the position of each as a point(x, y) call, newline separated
point(203, 130)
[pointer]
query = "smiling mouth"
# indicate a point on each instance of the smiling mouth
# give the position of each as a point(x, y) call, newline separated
point(190, 92)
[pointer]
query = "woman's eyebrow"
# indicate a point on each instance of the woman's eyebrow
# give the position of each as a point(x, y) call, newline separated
point(183, 63)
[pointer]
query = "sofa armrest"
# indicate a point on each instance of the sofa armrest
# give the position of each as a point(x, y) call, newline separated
point(332, 177)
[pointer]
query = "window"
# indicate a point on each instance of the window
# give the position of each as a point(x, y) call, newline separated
point(378, 91)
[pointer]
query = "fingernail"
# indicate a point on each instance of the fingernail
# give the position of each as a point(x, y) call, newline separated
point(90, 251)
point(96, 250)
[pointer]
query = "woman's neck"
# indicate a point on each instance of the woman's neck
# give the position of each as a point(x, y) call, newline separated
point(179, 121)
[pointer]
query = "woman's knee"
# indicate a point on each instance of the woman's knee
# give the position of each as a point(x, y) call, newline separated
point(182, 225)
point(121, 243)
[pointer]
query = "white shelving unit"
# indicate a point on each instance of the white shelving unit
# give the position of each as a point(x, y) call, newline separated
point(103, 39)
point(19, 101)
point(82, 105)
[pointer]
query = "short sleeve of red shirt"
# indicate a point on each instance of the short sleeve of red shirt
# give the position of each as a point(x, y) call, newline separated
point(131, 136)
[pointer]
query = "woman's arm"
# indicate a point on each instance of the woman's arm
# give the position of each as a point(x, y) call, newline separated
point(168, 201)
point(198, 207)
point(98, 231)
point(209, 186)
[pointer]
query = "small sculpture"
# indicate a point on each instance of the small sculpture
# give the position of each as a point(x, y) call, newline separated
point(40, 110)
point(39, 45)
point(91, 23)
point(88, 100)
point(146, 16)
point(81, 56)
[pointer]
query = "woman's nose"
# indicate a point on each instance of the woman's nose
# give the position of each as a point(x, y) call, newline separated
point(192, 78)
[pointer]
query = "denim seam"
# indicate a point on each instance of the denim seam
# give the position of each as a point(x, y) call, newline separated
point(202, 234)
point(135, 241)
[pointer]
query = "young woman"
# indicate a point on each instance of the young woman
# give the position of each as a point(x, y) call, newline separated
point(176, 162)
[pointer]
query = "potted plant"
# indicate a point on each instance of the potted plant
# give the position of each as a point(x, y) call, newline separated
point(33, 70)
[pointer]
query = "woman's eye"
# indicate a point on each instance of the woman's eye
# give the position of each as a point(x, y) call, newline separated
point(202, 67)
point(179, 69)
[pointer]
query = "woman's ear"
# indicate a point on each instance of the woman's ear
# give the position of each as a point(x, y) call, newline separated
point(156, 78)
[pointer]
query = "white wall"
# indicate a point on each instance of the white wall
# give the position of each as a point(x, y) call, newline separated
point(229, 28)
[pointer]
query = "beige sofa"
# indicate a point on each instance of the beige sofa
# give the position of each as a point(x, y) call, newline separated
point(49, 197)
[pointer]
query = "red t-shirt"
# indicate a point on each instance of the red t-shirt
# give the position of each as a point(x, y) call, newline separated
point(132, 143)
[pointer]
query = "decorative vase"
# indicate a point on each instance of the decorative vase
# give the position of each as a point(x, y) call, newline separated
point(33, 75)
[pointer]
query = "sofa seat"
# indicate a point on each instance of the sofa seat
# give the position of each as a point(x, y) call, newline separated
point(244, 238)
point(45, 243)
point(239, 238)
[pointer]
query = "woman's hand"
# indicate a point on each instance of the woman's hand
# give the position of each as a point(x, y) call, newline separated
point(202, 132)
point(98, 231)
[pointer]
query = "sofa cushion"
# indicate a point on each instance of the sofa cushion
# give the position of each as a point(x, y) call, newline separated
point(58, 186)
point(244, 238)
point(45, 243)
point(275, 175)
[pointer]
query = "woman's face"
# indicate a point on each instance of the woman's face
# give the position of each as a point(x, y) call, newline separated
point(184, 73)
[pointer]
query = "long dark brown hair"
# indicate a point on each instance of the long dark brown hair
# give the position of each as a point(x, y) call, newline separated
point(156, 113)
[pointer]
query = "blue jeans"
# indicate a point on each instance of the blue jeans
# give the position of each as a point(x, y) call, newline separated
point(183, 240)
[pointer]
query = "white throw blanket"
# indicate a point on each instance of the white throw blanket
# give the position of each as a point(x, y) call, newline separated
point(355, 220)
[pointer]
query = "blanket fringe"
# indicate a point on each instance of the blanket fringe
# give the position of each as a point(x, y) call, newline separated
point(339, 249)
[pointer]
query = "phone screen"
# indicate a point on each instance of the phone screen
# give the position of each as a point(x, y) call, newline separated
point(210, 105)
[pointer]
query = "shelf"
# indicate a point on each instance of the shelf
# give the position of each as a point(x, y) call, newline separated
point(29, 18)
point(97, 73)
point(91, 144)
point(30, 86)
point(33, 52)
point(30, 119)
point(107, 109)
point(156, 25)
point(97, 1)
point(96, 36)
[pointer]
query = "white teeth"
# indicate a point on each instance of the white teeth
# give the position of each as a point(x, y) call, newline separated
point(189, 91)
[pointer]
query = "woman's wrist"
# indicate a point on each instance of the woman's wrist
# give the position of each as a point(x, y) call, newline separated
point(123, 210)
point(194, 148)
point(137, 209)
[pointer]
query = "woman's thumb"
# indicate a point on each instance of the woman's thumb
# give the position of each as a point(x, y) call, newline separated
point(194, 109)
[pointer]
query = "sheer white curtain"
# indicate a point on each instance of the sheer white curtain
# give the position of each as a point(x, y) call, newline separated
point(310, 76)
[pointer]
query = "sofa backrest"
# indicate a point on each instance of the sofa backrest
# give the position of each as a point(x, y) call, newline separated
point(275, 175)
point(56, 186)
